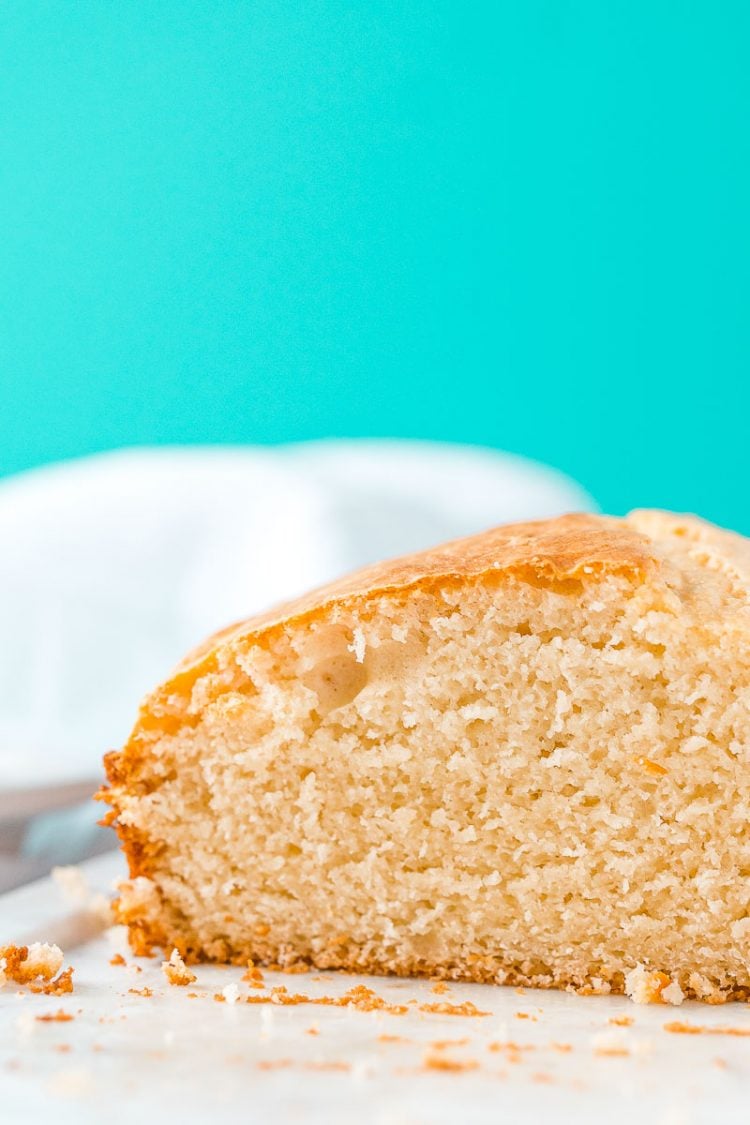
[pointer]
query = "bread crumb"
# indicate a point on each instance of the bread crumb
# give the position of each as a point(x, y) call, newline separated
point(54, 1017)
point(439, 1061)
point(360, 997)
point(253, 976)
point(75, 886)
point(673, 994)
point(176, 971)
point(440, 988)
point(72, 882)
point(645, 986)
point(231, 993)
point(333, 1064)
point(445, 1009)
point(35, 966)
point(442, 1044)
point(60, 986)
point(118, 959)
point(622, 1021)
point(273, 1064)
point(25, 963)
point(611, 1043)
point(678, 1027)
point(512, 1051)
point(146, 991)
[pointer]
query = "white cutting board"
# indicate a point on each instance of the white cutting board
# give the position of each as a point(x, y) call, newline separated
point(170, 1058)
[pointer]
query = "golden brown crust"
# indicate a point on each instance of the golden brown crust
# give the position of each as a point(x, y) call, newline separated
point(550, 552)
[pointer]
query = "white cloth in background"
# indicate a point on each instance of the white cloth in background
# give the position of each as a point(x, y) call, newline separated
point(114, 565)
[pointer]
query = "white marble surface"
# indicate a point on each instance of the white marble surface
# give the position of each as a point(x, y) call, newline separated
point(170, 1058)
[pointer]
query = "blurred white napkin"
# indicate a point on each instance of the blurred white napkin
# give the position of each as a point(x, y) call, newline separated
point(114, 565)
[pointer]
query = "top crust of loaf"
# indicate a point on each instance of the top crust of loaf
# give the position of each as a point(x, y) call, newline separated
point(550, 552)
point(557, 553)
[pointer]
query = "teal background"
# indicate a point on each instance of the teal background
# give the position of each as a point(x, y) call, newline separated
point(519, 224)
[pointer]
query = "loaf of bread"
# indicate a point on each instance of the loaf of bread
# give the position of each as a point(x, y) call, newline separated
point(521, 757)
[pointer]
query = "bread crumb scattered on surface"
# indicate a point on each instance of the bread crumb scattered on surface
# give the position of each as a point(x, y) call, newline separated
point(436, 1060)
point(446, 1009)
point(60, 986)
point(680, 1027)
point(332, 1064)
point(360, 997)
point(648, 986)
point(622, 1021)
point(22, 964)
point(253, 976)
point(513, 1051)
point(75, 886)
point(145, 991)
point(35, 966)
point(611, 1042)
point(55, 1017)
point(176, 971)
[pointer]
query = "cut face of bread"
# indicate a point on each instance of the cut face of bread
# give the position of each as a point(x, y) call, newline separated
point(521, 757)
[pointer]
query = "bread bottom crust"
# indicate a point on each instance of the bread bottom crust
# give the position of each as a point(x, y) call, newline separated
point(145, 937)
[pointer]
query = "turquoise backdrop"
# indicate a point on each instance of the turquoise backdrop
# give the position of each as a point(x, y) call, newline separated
point(519, 224)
